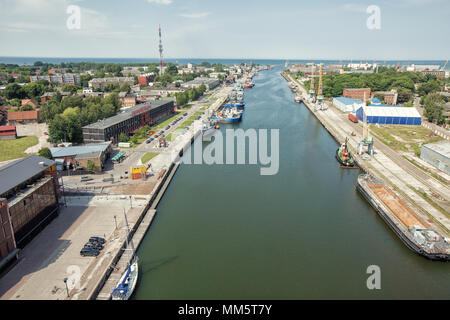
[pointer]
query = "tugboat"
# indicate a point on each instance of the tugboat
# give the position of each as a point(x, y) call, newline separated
point(343, 155)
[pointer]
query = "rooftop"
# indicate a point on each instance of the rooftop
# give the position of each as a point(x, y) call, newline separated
point(348, 101)
point(79, 150)
point(19, 171)
point(442, 147)
point(127, 114)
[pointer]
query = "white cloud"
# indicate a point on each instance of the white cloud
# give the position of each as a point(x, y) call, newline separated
point(353, 7)
point(160, 1)
point(195, 15)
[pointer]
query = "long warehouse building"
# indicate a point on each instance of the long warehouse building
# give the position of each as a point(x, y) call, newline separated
point(127, 122)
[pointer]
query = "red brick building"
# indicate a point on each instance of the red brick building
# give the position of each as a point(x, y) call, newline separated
point(356, 93)
point(8, 250)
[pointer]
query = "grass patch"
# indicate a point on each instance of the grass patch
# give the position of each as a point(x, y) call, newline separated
point(187, 123)
point(14, 148)
point(213, 98)
point(148, 156)
point(404, 138)
point(198, 113)
point(167, 121)
point(169, 137)
point(192, 118)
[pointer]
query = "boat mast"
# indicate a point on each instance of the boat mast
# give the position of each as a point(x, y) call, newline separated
point(131, 240)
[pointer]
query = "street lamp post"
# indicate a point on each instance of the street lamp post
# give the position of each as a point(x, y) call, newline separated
point(67, 288)
point(115, 220)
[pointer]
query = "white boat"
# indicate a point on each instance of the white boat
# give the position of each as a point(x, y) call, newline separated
point(128, 280)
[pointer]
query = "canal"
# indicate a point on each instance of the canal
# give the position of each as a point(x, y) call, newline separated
point(226, 232)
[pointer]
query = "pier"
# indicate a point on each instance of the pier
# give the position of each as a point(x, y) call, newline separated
point(385, 164)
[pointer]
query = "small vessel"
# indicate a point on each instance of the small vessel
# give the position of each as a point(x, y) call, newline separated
point(128, 280)
point(298, 99)
point(343, 155)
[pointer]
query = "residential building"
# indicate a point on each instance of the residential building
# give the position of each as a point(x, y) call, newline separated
point(127, 99)
point(31, 116)
point(128, 122)
point(29, 192)
point(208, 82)
point(30, 102)
point(67, 78)
point(146, 78)
point(100, 83)
point(356, 93)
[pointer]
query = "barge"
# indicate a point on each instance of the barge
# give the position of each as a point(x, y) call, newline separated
point(415, 233)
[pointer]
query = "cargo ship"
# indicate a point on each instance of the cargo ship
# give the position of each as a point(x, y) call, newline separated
point(343, 155)
point(415, 233)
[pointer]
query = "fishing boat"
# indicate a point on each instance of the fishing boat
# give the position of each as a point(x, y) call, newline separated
point(128, 280)
point(228, 115)
point(298, 99)
point(343, 155)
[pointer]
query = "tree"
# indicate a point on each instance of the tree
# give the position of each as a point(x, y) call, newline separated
point(14, 91)
point(45, 152)
point(434, 105)
point(429, 87)
point(90, 166)
point(123, 137)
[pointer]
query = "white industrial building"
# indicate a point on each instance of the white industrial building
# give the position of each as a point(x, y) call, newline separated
point(347, 104)
point(437, 154)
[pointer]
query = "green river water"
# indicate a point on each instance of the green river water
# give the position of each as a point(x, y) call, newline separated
point(226, 232)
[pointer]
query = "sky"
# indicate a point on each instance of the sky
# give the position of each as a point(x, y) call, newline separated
point(245, 29)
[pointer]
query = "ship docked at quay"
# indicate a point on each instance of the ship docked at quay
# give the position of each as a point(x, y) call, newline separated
point(414, 231)
point(233, 108)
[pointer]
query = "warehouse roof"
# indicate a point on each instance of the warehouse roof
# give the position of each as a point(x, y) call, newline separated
point(391, 111)
point(58, 152)
point(127, 114)
point(441, 147)
point(348, 101)
point(19, 171)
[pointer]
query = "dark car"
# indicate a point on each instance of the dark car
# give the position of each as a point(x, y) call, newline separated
point(185, 114)
point(97, 239)
point(94, 245)
point(168, 127)
point(89, 252)
point(148, 141)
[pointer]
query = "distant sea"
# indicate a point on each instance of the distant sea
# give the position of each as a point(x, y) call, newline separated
point(31, 60)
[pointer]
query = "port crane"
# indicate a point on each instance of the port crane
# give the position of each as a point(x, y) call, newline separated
point(311, 87)
point(367, 140)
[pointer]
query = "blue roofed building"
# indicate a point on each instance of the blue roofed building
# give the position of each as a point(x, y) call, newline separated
point(347, 104)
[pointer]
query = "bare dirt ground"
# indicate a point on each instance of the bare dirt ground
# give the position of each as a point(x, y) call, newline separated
point(34, 129)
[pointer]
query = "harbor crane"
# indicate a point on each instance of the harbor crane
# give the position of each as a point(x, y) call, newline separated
point(367, 140)
point(320, 89)
point(311, 87)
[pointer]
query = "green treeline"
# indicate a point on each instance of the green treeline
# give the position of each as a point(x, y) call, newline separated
point(67, 116)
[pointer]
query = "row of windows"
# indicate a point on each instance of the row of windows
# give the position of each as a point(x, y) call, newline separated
point(25, 210)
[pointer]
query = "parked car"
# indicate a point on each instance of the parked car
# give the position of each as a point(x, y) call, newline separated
point(97, 239)
point(168, 127)
point(148, 141)
point(185, 114)
point(89, 252)
point(94, 245)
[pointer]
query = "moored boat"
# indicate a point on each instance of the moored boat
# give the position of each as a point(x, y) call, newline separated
point(343, 155)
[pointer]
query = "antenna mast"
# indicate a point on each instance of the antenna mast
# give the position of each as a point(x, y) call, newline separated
point(160, 52)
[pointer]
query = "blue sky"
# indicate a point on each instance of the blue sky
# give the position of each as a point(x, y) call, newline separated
point(264, 29)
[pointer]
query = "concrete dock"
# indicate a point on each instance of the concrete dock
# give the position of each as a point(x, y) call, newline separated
point(386, 164)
